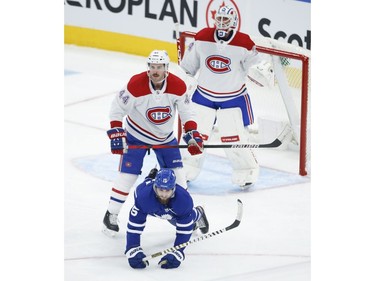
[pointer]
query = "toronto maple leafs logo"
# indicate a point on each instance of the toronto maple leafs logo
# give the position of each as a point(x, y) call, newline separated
point(164, 216)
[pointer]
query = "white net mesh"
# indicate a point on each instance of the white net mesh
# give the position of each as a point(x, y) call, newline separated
point(289, 98)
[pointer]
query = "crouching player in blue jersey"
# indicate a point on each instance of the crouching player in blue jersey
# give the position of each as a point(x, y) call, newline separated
point(161, 197)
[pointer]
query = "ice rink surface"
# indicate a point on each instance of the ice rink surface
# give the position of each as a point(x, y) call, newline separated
point(271, 243)
point(52, 212)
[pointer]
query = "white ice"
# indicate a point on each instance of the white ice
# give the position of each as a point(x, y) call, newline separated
point(271, 243)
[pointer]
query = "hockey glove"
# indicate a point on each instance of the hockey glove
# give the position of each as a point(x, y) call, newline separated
point(118, 140)
point(194, 141)
point(172, 260)
point(262, 74)
point(135, 256)
point(152, 174)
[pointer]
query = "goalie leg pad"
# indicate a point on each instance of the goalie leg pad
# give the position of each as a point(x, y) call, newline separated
point(245, 166)
point(243, 160)
point(193, 164)
point(244, 178)
point(180, 177)
point(206, 117)
point(231, 126)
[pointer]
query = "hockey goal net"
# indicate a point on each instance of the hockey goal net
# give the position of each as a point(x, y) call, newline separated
point(284, 102)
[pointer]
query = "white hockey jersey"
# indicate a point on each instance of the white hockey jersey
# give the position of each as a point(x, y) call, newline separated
point(150, 114)
point(222, 65)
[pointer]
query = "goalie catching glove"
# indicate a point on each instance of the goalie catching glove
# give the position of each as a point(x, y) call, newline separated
point(117, 135)
point(135, 256)
point(194, 141)
point(262, 74)
point(172, 260)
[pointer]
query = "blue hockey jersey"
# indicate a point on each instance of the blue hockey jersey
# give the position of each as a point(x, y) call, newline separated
point(179, 211)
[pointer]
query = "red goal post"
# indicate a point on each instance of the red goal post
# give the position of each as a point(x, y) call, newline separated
point(285, 102)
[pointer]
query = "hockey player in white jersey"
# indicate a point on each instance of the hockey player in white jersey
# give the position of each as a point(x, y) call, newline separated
point(148, 104)
point(223, 56)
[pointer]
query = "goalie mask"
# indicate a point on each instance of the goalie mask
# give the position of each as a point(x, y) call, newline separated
point(157, 66)
point(226, 19)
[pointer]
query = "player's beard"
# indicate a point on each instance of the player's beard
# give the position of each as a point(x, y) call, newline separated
point(163, 201)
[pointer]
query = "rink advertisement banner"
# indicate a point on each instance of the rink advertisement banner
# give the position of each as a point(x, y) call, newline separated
point(137, 26)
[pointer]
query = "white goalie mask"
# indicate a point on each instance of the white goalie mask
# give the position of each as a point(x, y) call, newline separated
point(226, 18)
point(158, 57)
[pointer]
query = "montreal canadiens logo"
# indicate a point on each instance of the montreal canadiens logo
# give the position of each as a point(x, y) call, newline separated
point(159, 115)
point(218, 64)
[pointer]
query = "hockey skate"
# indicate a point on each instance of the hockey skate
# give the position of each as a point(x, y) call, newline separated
point(245, 178)
point(246, 186)
point(202, 223)
point(110, 222)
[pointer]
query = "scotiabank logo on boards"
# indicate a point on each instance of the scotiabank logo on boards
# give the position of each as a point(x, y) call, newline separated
point(214, 5)
point(302, 41)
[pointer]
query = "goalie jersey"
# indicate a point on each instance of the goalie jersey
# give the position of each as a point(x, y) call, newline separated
point(150, 113)
point(223, 65)
point(179, 211)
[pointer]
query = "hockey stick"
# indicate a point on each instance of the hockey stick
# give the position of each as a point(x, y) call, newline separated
point(177, 30)
point(203, 237)
point(276, 143)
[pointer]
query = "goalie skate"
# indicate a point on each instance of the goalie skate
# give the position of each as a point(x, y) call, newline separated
point(110, 227)
point(246, 186)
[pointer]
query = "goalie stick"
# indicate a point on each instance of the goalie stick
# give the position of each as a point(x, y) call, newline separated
point(177, 30)
point(276, 143)
point(235, 224)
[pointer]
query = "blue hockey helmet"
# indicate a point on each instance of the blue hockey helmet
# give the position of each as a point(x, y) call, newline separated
point(165, 179)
